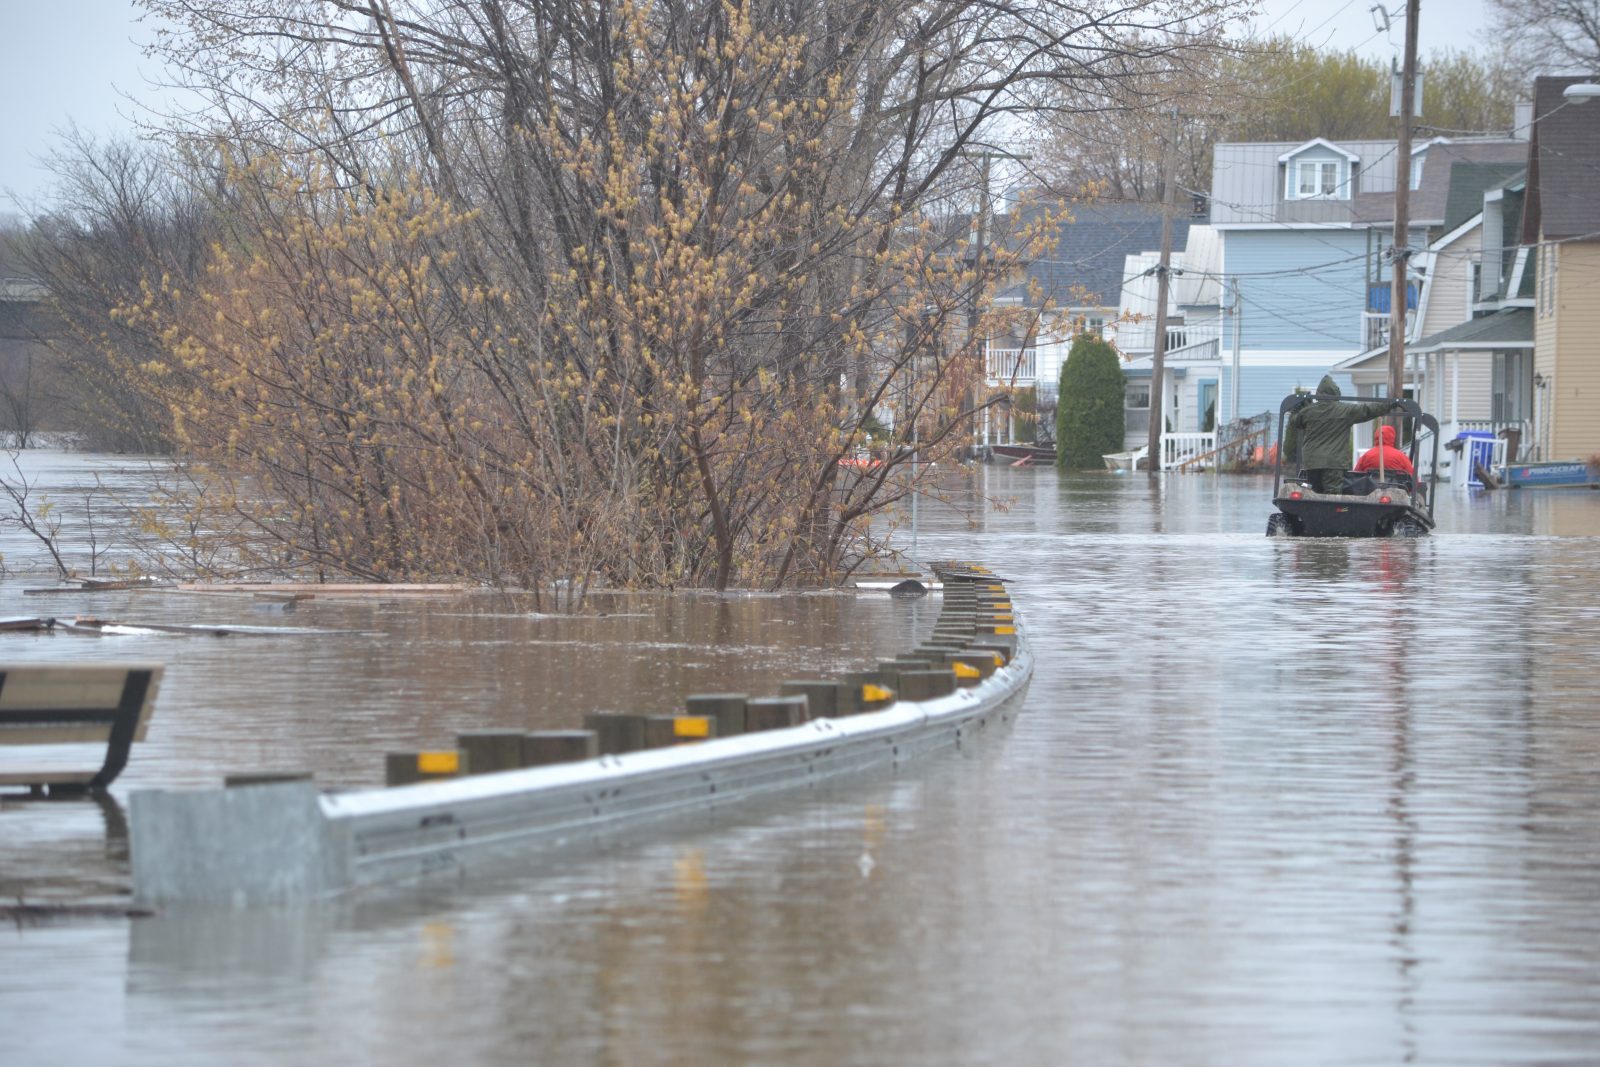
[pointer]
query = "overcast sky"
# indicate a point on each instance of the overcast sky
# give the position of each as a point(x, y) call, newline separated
point(77, 61)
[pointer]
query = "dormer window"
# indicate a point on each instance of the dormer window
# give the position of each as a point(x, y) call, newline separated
point(1416, 170)
point(1318, 180)
point(1318, 170)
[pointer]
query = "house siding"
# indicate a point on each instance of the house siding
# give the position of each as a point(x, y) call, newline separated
point(1463, 375)
point(1291, 301)
point(1575, 386)
point(1447, 291)
point(1262, 388)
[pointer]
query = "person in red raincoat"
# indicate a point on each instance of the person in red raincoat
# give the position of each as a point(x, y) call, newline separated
point(1392, 459)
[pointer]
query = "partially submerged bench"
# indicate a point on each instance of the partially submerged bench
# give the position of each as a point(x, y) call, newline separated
point(75, 703)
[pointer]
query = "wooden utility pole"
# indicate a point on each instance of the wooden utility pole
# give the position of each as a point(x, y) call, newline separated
point(1158, 357)
point(1402, 209)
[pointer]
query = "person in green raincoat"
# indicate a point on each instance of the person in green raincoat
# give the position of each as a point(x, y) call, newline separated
point(1317, 437)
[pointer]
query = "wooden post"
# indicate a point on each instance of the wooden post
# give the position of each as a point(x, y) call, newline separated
point(726, 708)
point(616, 732)
point(404, 768)
point(822, 697)
point(1158, 371)
point(1402, 209)
point(558, 746)
point(926, 685)
point(774, 713)
point(663, 731)
point(491, 750)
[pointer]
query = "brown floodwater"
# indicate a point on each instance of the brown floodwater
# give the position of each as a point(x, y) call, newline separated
point(1267, 802)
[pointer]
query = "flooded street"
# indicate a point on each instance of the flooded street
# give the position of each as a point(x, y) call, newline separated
point(1268, 802)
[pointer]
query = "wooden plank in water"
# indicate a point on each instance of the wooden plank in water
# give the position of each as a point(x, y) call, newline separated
point(329, 588)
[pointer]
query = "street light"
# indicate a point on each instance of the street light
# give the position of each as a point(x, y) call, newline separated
point(1581, 92)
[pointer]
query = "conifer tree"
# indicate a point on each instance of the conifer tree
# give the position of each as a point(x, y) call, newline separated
point(1089, 413)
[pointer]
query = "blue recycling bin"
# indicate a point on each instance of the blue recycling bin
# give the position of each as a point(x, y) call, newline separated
point(1477, 450)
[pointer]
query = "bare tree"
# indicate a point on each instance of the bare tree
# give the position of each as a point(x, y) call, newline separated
point(558, 292)
point(1547, 36)
point(126, 222)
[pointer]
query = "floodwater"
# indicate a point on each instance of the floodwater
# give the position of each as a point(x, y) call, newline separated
point(1268, 802)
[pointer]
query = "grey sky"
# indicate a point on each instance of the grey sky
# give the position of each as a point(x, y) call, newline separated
point(65, 61)
point(1452, 24)
point(77, 61)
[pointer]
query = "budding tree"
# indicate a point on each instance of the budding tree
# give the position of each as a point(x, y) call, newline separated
point(549, 293)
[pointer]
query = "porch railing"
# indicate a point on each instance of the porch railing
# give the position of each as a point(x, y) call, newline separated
point(1179, 450)
point(1011, 366)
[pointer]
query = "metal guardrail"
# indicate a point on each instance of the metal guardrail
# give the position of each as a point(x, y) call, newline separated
point(285, 841)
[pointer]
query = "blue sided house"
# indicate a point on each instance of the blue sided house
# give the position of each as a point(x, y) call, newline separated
point(1302, 230)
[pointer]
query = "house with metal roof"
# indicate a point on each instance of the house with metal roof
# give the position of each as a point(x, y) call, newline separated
point(1304, 228)
point(1078, 286)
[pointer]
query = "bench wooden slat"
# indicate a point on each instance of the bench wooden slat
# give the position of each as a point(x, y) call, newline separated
point(65, 686)
point(57, 703)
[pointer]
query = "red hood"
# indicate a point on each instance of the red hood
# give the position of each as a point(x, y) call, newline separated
point(1386, 435)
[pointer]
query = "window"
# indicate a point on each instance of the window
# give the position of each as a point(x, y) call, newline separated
point(1548, 258)
point(1136, 413)
point(1318, 180)
point(1416, 170)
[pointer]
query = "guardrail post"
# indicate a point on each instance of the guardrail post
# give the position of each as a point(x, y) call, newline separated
point(822, 696)
point(558, 746)
point(774, 713)
point(488, 751)
point(726, 708)
point(616, 732)
point(404, 768)
point(661, 731)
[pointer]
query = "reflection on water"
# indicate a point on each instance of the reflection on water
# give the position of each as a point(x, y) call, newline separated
point(1268, 802)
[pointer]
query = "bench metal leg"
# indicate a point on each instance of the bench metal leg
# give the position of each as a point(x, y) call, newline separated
point(122, 729)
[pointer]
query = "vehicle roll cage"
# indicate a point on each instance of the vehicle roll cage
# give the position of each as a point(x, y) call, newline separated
point(1409, 409)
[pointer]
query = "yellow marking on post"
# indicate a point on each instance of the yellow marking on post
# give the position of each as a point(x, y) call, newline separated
point(438, 763)
point(964, 671)
point(995, 588)
point(1004, 616)
point(999, 660)
point(691, 726)
point(871, 694)
point(1005, 629)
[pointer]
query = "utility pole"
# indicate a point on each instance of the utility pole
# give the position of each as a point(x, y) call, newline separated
point(1158, 390)
point(1401, 253)
point(1238, 320)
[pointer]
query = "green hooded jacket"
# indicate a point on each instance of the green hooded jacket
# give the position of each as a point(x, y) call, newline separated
point(1321, 431)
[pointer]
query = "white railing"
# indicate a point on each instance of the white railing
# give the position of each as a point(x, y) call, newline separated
point(1197, 350)
point(1011, 366)
point(1180, 449)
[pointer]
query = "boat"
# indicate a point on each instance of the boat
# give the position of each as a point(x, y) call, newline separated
point(1022, 455)
point(1125, 461)
point(1568, 474)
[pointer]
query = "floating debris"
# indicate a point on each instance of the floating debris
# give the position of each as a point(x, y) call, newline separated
point(88, 625)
